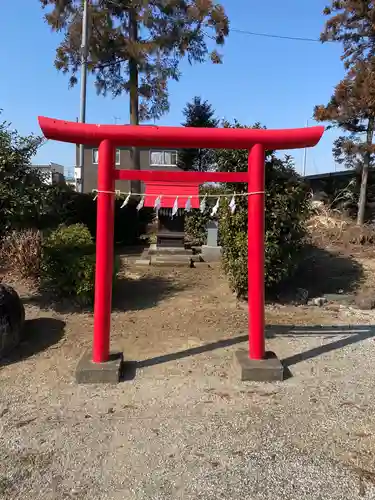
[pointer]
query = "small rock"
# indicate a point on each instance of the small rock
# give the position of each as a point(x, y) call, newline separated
point(3, 412)
point(318, 301)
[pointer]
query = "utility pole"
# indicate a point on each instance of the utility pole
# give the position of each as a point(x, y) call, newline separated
point(304, 156)
point(79, 173)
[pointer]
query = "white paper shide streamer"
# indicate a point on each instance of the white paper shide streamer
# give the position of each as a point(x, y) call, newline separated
point(215, 208)
point(175, 207)
point(141, 203)
point(157, 205)
point(126, 201)
point(232, 204)
point(188, 204)
point(202, 206)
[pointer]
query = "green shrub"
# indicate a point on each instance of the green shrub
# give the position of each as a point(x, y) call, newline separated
point(68, 268)
point(287, 209)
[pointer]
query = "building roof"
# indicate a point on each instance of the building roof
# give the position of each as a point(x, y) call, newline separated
point(325, 175)
point(49, 165)
point(340, 173)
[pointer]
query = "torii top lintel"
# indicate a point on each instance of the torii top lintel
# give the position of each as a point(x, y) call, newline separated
point(149, 136)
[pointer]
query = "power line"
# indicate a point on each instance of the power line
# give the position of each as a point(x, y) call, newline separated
point(239, 31)
point(254, 33)
point(272, 35)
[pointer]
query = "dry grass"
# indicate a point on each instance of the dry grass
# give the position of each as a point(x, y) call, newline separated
point(185, 413)
point(329, 227)
point(21, 252)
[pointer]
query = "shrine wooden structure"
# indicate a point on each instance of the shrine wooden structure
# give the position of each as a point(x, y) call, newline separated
point(170, 231)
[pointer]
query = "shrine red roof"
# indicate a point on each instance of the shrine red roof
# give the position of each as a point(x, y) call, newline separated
point(168, 192)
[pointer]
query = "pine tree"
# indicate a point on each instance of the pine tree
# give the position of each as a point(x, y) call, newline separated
point(135, 46)
point(197, 113)
point(352, 106)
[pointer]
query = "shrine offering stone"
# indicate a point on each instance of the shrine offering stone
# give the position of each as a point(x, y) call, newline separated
point(212, 234)
point(211, 252)
point(12, 319)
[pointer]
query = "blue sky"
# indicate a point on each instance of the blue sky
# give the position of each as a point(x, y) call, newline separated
point(276, 82)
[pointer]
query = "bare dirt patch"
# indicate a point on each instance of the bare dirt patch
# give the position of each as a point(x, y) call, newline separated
point(182, 425)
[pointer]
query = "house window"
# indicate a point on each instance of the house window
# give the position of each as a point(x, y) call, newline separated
point(95, 156)
point(163, 158)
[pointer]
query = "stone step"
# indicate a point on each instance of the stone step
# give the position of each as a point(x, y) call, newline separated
point(156, 250)
point(171, 261)
point(143, 262)
point(177, 257)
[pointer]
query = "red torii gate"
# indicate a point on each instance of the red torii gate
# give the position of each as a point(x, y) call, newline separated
point(108, 137)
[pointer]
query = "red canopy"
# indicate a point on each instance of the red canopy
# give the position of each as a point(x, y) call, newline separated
point(169, 191)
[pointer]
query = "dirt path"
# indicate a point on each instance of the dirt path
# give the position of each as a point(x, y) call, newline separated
point(183, 426)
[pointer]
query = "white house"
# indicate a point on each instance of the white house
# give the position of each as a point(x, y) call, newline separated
point(52, 172)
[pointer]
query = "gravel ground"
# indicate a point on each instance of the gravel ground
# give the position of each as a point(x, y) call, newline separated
point(183, 426)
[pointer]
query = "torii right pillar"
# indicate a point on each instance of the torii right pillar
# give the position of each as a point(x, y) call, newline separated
point(256, 364)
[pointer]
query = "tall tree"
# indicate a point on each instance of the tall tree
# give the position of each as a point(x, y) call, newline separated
point(197, 113)
point(352, 106)
point(135, 46)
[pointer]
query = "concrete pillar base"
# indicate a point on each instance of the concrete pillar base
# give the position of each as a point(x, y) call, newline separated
point(109, 372)
point(211, 254)
point(268, 369)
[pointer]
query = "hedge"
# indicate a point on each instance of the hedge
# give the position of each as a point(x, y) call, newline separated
point(68, 263)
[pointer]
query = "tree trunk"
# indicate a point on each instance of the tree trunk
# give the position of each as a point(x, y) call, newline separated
point(133, 96)
point(365, 169)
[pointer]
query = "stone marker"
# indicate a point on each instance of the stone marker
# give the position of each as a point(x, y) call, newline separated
point(211, 252)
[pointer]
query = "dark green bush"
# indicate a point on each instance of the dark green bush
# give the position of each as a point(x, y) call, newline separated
point(196, 221)
point(69, 207)
point(68, 267)
point(287, 209)
point(130, 223)
point(28, 202)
